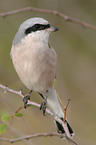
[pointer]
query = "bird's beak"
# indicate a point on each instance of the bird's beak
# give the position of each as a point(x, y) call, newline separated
point(52, 28)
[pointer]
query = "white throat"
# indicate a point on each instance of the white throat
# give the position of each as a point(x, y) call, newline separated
point(42, 36)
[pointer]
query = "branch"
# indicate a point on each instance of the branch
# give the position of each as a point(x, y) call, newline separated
point(54, 12)
point(11, 91)
point(35, 136)
point(66, 135)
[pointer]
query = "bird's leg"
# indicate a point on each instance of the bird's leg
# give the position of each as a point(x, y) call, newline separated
point(41, 95)
point(26, 98)
point(43, 106)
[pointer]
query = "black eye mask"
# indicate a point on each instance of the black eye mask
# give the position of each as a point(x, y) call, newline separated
point(36, 27)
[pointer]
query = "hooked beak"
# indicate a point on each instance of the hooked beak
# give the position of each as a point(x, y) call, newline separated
point(52, 28)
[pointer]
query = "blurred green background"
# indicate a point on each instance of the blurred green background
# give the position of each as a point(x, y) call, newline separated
point(76, 71)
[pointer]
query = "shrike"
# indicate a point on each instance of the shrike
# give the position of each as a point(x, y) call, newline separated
point(34, 60)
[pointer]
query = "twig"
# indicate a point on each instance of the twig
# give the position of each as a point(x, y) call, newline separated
point(11, 91)
point(66, 109)
point(54, 12)
point(34, 104)
point(47, 111)
point(35, 136)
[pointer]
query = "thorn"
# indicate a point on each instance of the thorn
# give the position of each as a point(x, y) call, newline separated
point(6, 89)
point(20, 92)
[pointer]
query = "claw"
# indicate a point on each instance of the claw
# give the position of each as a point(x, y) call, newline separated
point(43, 106)
point(26, 98)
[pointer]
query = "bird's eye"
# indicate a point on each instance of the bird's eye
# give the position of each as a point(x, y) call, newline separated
point(41, 26)
point(36, 27)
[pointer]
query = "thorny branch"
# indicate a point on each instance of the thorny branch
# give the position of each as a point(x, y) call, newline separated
point(41, 134)
point(34, 136)
point(54, 12)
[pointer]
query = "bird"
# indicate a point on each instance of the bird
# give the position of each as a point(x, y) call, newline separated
point(34, 60)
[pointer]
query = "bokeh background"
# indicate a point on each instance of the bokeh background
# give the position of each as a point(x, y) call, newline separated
point(76, 71)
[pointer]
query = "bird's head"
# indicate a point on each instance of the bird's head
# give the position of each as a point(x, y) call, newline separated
point(37, 28)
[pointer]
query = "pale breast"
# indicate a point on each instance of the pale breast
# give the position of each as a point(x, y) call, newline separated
point(35, 65)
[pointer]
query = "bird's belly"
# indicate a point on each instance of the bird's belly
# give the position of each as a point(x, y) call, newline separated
point(37, 72)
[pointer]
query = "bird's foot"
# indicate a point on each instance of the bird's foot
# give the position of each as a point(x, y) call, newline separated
point(43, 106)
point(26, 98)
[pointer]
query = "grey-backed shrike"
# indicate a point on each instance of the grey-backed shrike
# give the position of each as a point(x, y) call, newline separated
point(35, 63)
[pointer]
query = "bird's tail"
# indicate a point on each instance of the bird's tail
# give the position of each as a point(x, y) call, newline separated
point(56, 109)
point(67, 130)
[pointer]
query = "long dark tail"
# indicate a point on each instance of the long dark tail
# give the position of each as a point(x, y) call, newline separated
point(60, 128)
